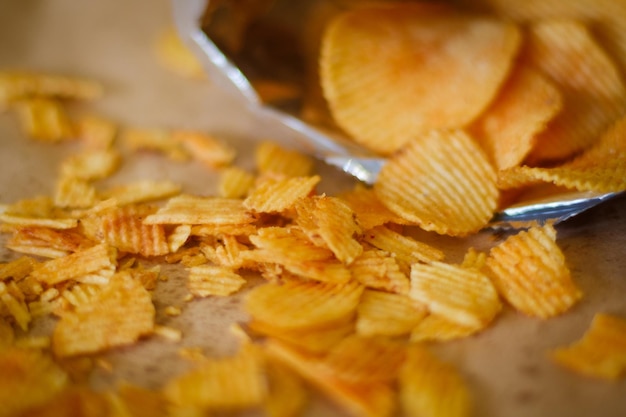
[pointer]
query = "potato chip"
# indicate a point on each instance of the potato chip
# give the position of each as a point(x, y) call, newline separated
point(271, 158)
point(385, 102)
point(117, 315)
point(46, 242)
point(303, 305)
point(187, 209)
point(96, 132)
point(593, 91)
point(218, 230)
point(80, 294)
point(16, 306)
point(178, 237)
point(430, 387)
point(91, 165)
point(287, 394)
point(230, 383)
point(154, 140)
point(141, 191)
point(441, 181)
point(29, 378)
point(464, 296)
point(229, 253)
point(77, 265)
point(474, 259)
point(278, 195)
point(530, 272)
point(209, 150)
point(75, 400)
point(133, 401)
point(7, 336)
point(207, 280)
point(73, 192)
point(600, 353)
point(508, 128)
point(17, 269)
point(405, 249)
point(176, 56)
point(235, 183)
point(53, 223)
point(379, 270)
point(368, 400)
point(437, 328)
point(387, 314)
point(44, 120)
point(368, 209)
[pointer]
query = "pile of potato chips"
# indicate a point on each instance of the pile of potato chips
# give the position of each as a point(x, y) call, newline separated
point(351, 298)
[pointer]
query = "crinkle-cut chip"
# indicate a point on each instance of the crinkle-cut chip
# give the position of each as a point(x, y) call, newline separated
point(141, 191)
point(594, 94)
point(439, 329)
point(366, 400)
point(211, 151)
point(178, 237)
point(430, 387)
point(530, 272)
point(17, 269)
point(29, 378)
point(79, 294)
point(271, 158)
point(42, 206)
point(193, 210)
point(96, 132)
point(385, 102)
point(303, 305)
point(176, 56)
point(30, 287)
point(235, 182)
point(147, 276)
point(17, 308)
point(387, 314)
point(288, 244)
point(228, 253)
point(130, 400)
point(53, 223)
point(334, 222)
point(91, 165)
point(76, 401)
point(73, 192)
point(379, 270)
point(229, 383)
point(611, 145)
point(600, 353)
point(154, 140)
point(278, 195)
point(207, 280)
point(287, 394)
point(324, 271)
point(223, 229)
point(369, 210)
point(117, 315)
point(44, 119)
point(508, 128)
point(74, 266)
point(19, 85)
point(7, 336)
point(474, 259)
point(361, 359)
point(441, 181)
point(464, 296)
point(312, 341)
point(44, 241)
point(123, 228)
point(405, 249)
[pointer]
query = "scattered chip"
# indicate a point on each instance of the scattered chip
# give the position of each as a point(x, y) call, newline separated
point(15, 305)
point(91, 165)
point(206, 280)
point(387, 314)
point(278, 195)
point(438, 328)
point(601, 353)
point(368, 209)
point(44, 119)
point(235, 183)
point(379, 270)
point(273, 159)
point(385, 102)
point(186, 209)
point(96, 132)
point(287, 394)
point(73, 192)
point(154, 140)
point(212, 152)
point(17, 269)
point(47, 242)
point(441, 181)
point(529, 271)
point(141, 191)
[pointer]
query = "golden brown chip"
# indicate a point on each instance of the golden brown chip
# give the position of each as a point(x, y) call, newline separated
point(73, 192)
point(187, 209)
point(387, 314)
point(130, 400)
point(176, 56)
point(44, 119)
point(368, 209)
point(437, 328)
point(154, 140)
point(29, 379)
point(441, 181)
point(47, 242)
point(384, 102)
point(75, 400)
point(39, 211)
point(117, 315)
point(530, 272)
point(141, 191)
point(227, 384)
point(508, 128)
point(13, 300)
point(209, 150)
point(594, 94)
point(206, 280)
point(600, 353)
point(96, 132)
point(91, 165)
point(235, 183)
point(474, 259)
point(464, 296)
point(17, 269)
point(303, 305)
point(430, 387)
point(278, 195)
point(228, 253)
point(178, 237)
point(287, 394)
point(271, 158)
point(379, 270)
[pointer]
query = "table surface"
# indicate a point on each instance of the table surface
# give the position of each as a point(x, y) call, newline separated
point(113, 42)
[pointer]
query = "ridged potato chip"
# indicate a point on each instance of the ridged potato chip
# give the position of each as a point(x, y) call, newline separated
point(463, 296)
point(96, 132)
point(387, 314)
point(271, 158)
point(385, 102)
point(141, 191)
point(207, 280)
point(235, 182)
point(430, 387)
point(368, 209)
point(279, 195)
point(154, 140)
point(17, 269)
point(12, 299)
point(530, 272)
point(117, 315)
point(44, 119)
point(287, 394)
point(379, 270)
point(91, 165)
point(73, 192)
point(187, 209)
point(303, 305)
point(442, 181)
point(47, 242)
point(209, 150)
point(437, 328)
point(600, 353)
